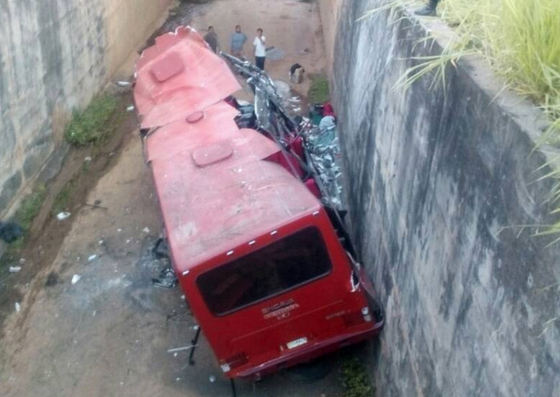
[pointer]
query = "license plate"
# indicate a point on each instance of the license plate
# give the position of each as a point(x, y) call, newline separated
point(295, 343)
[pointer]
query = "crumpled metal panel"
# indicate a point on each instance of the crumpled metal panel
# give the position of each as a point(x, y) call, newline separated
point(179, 76)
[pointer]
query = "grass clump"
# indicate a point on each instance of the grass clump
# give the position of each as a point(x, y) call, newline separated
point(91, 126)
point(520, 39)
point(30, 207)
point(63, 198)
point(355, 379)
point(319, 91)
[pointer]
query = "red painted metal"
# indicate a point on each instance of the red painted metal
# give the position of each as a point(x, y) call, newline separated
point(222, 201)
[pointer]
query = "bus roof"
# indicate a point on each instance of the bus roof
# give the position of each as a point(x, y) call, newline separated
point(215, 187)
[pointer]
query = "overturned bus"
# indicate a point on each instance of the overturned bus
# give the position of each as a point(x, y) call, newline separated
point(265, 265)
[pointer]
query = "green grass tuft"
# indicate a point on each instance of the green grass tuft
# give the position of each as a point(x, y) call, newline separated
point(63, 198)
point(30, 207)
point(355, 379)
point(520, 39)
point(90, 126)
point(319, 91)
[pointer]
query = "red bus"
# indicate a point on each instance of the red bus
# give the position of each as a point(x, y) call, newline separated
point(258, 256)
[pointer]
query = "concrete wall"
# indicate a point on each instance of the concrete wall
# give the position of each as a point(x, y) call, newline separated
point(438, 184)
point(330, 10)
point(54, 56)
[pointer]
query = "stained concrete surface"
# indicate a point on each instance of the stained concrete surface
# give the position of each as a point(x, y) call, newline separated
point(108, 333)
point(54, 56)
point(444, 195)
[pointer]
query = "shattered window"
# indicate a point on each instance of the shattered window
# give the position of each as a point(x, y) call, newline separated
point(281, 266)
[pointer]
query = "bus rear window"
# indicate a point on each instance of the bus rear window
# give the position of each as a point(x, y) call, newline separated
point(281, 266)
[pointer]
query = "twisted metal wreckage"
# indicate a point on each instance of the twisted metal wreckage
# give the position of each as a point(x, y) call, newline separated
point(250, 199)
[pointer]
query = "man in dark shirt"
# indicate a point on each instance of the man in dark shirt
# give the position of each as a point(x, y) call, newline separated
point(212, 39)
point(238, 40)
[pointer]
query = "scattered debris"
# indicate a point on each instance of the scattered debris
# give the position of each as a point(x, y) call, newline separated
point(325, 157)
point(181, 349)
point(96, 205)
point(166, 279)
point(15, 269)
point(10, 231)
point(88, 159)
point(146, 230)
point(212, 379)
point(123, 83)
point(63, 215)
point(18, 307)
point(161, 250)
point(76, 278)
point(92, 258)
point(22, 261)
point(52, 279)
point(130, 108)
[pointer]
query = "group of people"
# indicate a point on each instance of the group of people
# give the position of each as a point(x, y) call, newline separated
point(237, 44)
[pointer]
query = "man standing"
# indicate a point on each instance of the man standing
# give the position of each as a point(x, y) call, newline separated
point(212, 39)
point(260, 49)
point(238, 40)
point(429, 10)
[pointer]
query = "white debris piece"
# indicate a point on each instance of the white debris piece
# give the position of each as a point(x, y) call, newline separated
point(130, 108)
point(92, 258)
point(15, 269)
point(123, 83)
point(212, 379)
point(88, 159)
point(63, 215)
point(18, 307)
point(76, 278)
point(146, 230)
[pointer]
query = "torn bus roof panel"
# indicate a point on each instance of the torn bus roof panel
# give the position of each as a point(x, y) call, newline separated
point(178, 77)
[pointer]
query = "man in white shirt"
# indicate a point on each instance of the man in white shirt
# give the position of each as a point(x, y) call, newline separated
point(260, 49)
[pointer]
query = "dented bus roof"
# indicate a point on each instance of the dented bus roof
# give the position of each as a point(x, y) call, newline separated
point(215, 187)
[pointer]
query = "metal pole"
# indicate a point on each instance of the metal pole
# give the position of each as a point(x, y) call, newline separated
point(194, 342)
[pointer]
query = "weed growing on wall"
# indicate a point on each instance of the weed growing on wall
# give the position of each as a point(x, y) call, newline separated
point(91, 126)
point(520, 39)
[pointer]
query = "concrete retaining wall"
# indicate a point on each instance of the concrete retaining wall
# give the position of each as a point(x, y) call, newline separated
point(54, 56)
point(439, 183)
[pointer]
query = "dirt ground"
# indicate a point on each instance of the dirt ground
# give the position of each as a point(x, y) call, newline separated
point(91, 322)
